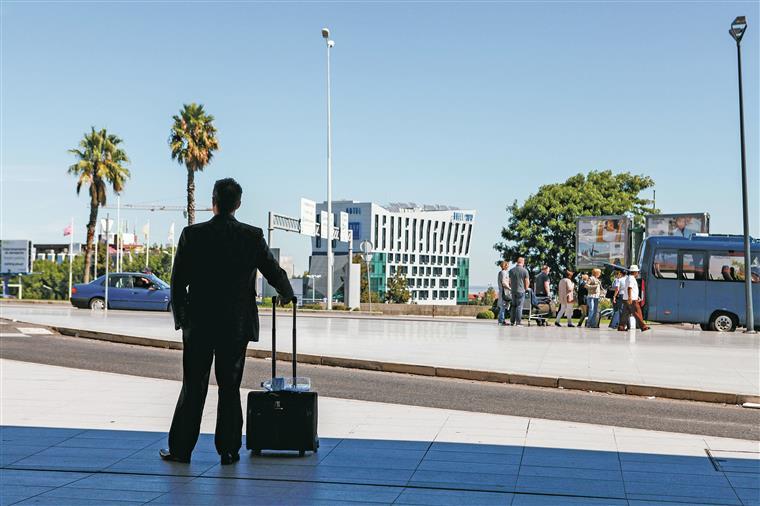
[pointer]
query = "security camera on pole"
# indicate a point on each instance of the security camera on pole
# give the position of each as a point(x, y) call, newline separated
point(330, 44)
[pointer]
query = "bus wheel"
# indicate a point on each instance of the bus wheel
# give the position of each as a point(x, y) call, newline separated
point(723, 322)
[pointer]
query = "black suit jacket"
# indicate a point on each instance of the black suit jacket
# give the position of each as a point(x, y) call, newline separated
point(213, 280)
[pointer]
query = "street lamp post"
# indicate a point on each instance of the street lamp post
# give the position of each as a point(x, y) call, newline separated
point(330, 43)
point(313, 277)
point(366, 248)
point(738, 27)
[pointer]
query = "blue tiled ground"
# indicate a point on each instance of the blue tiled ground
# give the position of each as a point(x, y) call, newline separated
point(82, 467)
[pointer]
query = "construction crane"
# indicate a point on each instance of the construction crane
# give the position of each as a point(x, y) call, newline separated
point(157, 207)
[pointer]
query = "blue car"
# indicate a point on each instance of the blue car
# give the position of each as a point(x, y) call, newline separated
point(126, 290)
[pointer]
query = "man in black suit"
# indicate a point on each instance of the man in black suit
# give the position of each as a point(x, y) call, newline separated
point(214, 303)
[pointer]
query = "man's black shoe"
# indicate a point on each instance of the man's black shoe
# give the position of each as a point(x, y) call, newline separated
point(557, 324)
point(167, 455)
point(230, 458)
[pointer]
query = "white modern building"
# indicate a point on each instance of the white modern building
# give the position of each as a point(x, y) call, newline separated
point(429, 244)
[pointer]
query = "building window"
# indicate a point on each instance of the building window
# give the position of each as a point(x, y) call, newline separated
point(356, 228)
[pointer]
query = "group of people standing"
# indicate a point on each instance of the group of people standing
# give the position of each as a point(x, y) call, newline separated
point(514, 283)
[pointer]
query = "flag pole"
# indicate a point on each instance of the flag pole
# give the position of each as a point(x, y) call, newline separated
point(147, 246)
point(71, 255)
point(95, 260)
point(108, 261)
point(173, 245)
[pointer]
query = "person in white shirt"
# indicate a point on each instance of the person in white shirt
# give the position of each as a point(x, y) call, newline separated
point(631, 303)
point(617, 299)
point(503, 290)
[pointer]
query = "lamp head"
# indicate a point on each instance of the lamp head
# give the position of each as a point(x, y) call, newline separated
point(330, 43)
point(325, 33)
point(738, 27)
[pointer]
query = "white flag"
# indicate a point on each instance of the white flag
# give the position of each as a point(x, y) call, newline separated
point(171, 234)
point(146, 230)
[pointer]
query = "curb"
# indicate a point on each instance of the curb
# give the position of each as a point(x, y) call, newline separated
point(318, 313)
point(446, 372)
point(34, 301)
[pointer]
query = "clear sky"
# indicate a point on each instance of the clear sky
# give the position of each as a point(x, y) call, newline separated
point(467, 104)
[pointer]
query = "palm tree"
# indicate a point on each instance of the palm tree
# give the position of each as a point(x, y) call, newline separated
point(100, 162)
point(193, 142)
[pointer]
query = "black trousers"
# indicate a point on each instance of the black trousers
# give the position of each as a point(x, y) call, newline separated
point(228, 353)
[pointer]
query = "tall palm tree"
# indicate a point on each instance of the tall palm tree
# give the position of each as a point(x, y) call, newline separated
point(100, 162)
point(193, 142)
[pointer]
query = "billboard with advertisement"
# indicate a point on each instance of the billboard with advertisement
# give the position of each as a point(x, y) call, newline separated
point(678, 225)
point(601, 240)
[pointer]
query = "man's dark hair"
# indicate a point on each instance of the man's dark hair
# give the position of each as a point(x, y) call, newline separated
point(227, 194)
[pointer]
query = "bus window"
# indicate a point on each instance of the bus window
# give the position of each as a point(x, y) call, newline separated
point(693, 265)
point(726, 266)
point(665, 265)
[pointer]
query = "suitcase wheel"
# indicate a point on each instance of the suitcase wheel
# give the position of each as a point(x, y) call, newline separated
point(301, 453)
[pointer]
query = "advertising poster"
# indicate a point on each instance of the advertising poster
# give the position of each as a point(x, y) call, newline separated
point(601, 240)
point(678, 225)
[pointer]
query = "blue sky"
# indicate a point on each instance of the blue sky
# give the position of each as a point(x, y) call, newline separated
point(467, 104)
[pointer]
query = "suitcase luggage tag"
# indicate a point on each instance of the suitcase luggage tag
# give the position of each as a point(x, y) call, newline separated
point(279, 383)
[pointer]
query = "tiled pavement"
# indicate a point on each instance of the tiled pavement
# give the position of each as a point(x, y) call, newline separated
point(64, 442)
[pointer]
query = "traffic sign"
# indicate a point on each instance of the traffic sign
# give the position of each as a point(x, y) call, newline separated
point(308, 217)
point(15, 257)
point(343, 231)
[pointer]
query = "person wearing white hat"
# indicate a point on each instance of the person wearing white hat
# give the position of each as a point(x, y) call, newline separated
point(629, 289)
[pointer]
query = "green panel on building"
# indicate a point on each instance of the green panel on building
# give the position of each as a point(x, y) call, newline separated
point(377, 278)
point(463, 280)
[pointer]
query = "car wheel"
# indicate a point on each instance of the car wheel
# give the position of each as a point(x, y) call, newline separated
point(97, 303)
point(723, 322)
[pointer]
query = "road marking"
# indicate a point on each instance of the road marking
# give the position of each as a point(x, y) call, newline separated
point(12, 334)
point(33, 330)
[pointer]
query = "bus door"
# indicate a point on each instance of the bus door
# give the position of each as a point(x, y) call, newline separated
point(692, 286)
point(663, 291)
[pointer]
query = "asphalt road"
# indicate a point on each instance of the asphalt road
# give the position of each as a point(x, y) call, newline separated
point(516, 400)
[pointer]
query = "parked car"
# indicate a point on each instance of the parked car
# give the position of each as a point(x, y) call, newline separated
point(126, 290)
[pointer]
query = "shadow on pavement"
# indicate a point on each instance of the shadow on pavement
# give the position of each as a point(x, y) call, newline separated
point(81, 466)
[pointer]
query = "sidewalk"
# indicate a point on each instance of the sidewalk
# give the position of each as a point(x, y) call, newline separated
point(80, 437)
point(666, 357)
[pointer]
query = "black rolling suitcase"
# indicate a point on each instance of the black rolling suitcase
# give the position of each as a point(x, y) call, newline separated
point(282, 419)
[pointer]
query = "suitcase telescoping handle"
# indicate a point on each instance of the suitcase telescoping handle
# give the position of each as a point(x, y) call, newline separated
point(274, 337)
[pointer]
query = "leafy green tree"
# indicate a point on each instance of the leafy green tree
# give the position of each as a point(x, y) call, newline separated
point(489, 296)
point(542, 229)
point(193, 142)
point(159, 263)
point(50, 280)
point(396, 289)
point(364, 284)
point(100, 162)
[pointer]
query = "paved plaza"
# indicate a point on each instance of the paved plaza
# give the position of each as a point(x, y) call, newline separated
point(71, 436)
point(666, 356)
